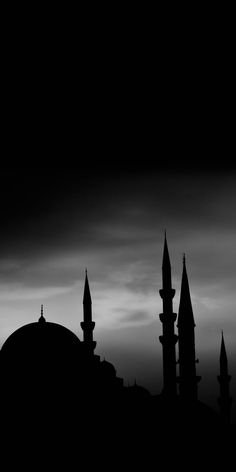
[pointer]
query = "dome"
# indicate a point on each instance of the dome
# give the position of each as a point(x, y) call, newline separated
point(44, 366)
point(43, 357)
point(31, 333)
point(40, 337)
point(108, 368)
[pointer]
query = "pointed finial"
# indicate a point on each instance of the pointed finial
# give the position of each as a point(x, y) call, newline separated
point(222, 340)
point(184, 258)
point(41, 315)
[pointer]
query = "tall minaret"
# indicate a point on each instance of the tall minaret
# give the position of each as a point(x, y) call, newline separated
point(168, 318)
point(87, 324)
point(224, 378)
point(188, 379)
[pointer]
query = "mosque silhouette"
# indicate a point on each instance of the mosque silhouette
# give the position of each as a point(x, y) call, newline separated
point(52, 381)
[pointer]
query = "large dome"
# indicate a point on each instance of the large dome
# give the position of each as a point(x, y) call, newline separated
point(42, 347)
point(43, 358)
point(40, 337)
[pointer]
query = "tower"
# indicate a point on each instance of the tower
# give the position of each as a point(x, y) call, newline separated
point(168, 318)
point(224, 378)
point(187, 379)
point(87, 324)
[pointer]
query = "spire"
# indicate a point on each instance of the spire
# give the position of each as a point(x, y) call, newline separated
point(166, 267)
point(167, 293)
point(224, 400)
point(87, 296)
point(185, 305)
point(87, 324)
point(187, 379)
point(223, 357)
point(42, 319)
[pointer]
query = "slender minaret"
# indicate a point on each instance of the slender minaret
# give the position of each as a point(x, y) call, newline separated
point(168, 318)
point(224, 378)
point(187, 379)
point(87, 324)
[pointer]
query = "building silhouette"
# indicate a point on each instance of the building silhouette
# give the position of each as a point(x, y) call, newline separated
point(52, 381)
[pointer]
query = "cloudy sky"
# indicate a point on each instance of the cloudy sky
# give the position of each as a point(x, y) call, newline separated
point(111, 220)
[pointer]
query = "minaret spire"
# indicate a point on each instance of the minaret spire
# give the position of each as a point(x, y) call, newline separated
point(224, 378)
point(185, 304)
point(188, 379)
point(87, 301)
point(168, 318)
point(166, 267)
point(223, 356)
point(87, 324)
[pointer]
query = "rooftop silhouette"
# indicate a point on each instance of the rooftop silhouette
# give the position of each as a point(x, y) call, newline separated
point(51, 379)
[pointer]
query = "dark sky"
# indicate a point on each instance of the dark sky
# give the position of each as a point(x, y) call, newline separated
point(128, 89)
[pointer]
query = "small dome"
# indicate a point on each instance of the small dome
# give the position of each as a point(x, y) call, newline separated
point(108, 368)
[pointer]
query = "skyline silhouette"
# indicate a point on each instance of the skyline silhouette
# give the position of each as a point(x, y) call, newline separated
point(47, 355)
point(114, 225)
point(58, 392)
point(116, 386)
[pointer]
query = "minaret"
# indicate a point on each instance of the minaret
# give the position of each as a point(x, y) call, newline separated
point(87, 324)
point(187, 379)
point(224, 378)
point(168, 318)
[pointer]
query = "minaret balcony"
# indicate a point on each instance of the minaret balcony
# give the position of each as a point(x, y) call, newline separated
point(90, 325)
point(168, 317)
point(167, 293)
point(168, 339)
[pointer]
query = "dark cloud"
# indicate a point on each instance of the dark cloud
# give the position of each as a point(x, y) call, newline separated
point(76, 210)
point(116, 222)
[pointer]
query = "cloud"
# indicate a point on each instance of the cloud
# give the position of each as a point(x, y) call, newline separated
point(19, 292)
point(111, 211)
point(134, 316)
